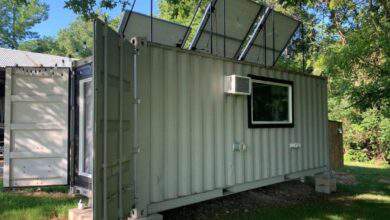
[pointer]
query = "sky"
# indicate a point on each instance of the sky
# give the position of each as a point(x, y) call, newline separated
point(60, 17)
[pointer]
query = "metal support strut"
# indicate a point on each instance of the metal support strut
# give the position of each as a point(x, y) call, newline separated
point(253, 37)
point(203, 23)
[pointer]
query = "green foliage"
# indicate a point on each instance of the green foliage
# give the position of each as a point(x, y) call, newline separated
point(384, 137)
point(88, 8)
point(182, 12)
point(47, 45)
point(17, 18)
point(356, 155)
point(359, 82)
point(77, 39)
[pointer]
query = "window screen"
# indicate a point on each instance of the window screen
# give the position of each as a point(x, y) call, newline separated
point(270, 104)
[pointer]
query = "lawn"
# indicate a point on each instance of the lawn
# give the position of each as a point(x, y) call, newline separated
point(45, 203)
point(368, 199)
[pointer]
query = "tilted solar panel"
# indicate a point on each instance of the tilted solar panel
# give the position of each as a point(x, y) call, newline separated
point(244, 30)
point(164, 32)
point(272, 39)
point(229, 23)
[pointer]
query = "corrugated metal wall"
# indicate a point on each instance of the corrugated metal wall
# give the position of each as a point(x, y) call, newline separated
point(189, 126)
point(36, 126)
point(113, 195)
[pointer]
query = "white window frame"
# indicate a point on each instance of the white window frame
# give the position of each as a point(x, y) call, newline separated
point(290, 103)
point(81, 127)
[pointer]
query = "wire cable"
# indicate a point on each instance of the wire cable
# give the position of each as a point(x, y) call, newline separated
point(128, 17)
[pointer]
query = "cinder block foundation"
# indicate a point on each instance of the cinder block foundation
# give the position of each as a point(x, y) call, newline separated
point(80, 214)
point(325, 183)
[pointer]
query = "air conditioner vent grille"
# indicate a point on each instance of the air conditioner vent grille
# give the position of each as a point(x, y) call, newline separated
point(237, 85)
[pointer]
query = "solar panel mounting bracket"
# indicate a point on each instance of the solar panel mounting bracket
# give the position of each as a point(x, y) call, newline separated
point(256, 31)
point(206, 16)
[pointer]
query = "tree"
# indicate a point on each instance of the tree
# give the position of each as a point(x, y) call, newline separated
point(358, 68)
point(77, 39)
point(182, 12)
point(47, 45)
point(17, 17)
point(88, 8)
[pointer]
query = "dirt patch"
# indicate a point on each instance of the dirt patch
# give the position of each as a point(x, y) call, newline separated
point(41, 192)
point(345, 178)
point(57, 195)
point(279, 195)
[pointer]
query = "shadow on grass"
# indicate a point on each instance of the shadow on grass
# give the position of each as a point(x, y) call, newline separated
point(370, 179)
point(368, 199)
point(321, 210)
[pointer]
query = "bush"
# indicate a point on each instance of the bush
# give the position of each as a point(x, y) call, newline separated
point(356, 155)
point(366, 133)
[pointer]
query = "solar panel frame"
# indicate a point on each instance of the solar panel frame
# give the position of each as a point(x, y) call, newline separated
point(164, 32)
point(288, 29)
point(271, 53)
point(237, 28)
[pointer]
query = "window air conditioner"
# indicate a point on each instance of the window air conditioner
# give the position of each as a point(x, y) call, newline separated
point(237, 85)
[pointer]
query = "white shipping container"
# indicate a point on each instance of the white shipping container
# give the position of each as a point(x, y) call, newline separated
point(36, 126)
point(165, 110)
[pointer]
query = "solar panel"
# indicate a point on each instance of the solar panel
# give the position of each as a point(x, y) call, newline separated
point(164, 32)
point(239, 16)
point(244, 30)
point(272, 39)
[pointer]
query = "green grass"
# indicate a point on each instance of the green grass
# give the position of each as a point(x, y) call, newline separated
point(368, 199)
point(48, 203)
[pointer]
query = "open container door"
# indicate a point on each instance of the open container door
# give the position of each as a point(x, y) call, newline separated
point(36, 126)
point(113, 194)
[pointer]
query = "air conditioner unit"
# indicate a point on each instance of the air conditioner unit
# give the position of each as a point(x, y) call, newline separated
point(237, 85)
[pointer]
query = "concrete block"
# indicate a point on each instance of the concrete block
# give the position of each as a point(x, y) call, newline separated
point(325, 183)
point(323, 189)
point(80, 214)
point(149, 217)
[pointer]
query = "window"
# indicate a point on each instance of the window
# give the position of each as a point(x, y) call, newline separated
point(85, 127)
point(271, 103)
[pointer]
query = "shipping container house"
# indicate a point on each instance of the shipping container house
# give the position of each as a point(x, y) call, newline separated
point(167, 135)
point(150, 127)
